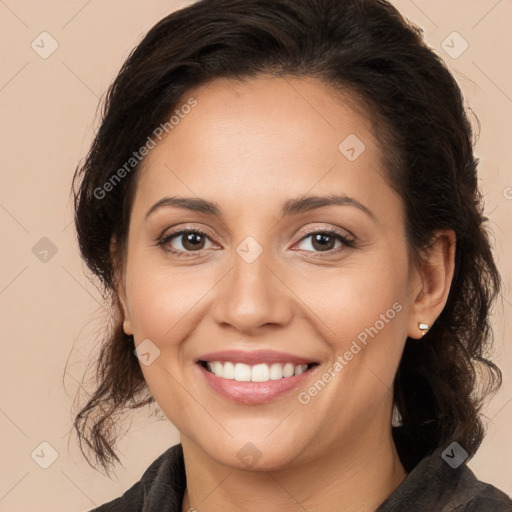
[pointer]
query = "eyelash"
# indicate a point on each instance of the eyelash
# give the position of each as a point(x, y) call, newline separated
point(346, 242)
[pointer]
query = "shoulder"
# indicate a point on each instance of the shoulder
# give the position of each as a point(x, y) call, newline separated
point(486, 498)
point(161, 486)
point(434, 484)
point(469, 494)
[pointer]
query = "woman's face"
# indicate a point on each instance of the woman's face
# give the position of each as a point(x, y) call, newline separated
point(260, 282)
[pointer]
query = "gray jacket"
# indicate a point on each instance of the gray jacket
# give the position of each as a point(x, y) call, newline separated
point(432, 486)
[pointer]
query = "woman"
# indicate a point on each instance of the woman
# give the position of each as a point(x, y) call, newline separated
point(282, 203)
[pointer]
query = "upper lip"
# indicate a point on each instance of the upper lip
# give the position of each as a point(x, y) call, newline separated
point(254, 357)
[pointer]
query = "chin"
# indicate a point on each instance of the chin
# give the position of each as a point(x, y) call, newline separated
point(255, 453)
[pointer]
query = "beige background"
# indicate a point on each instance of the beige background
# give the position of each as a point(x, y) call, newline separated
point(51, 312)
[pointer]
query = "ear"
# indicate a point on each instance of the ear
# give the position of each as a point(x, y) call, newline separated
point(120, 285)
point(433, 281)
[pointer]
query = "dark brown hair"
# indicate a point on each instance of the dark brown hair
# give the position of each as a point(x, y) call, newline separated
point(361, 47)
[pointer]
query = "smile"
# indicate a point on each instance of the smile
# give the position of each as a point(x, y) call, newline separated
point(262, 372)
point(254, 377)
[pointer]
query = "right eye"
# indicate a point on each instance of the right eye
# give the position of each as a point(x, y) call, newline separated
point(187, 240)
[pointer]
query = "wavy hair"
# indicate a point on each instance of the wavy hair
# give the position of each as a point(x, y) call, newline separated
point(367, 51)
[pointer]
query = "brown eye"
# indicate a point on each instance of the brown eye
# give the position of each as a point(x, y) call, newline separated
point(325, 241)
point(185, 241)
point(192, 241)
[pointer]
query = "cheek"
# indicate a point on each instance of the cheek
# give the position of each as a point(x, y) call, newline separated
point(162, 299)
point(355, 297)
point(361, 312)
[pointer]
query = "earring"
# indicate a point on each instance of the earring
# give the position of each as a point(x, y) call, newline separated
point(423, 328)
point(396, 420)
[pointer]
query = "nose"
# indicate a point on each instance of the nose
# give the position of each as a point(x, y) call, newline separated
point(253, 296)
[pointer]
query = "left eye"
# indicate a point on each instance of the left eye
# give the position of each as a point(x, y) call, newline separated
point(322, 241)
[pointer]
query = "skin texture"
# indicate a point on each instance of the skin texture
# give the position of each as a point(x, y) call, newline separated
point(249, 147)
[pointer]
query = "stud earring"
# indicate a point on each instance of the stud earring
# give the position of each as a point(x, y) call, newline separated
point(423, 328)
point(396, 420)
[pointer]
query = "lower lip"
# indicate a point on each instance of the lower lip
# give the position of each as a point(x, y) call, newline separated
point(254, 392)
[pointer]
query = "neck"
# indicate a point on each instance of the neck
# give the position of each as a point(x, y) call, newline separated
point(356, 477)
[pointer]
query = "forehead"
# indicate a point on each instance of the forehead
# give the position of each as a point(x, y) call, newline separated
point(253, 142)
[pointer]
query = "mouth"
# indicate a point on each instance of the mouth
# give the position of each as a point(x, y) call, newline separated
point(261, 372)
point(255, 377)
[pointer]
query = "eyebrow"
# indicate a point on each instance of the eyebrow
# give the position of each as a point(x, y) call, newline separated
point(290, 207)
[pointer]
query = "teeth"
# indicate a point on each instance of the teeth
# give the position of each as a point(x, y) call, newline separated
point(217, 368)
point(276, 371)
point(288, 370)
point(242, 372)
point(228, 371)
point(258, 373)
